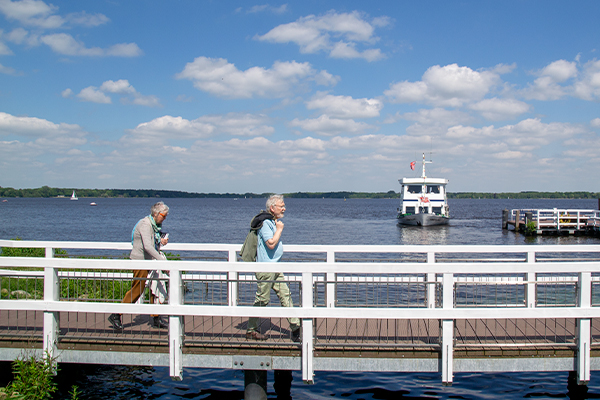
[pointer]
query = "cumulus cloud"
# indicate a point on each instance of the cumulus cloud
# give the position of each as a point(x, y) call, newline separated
point(326, 126)
point(43, 134)
point(548, 84)
point(337, 34)
point(448, 86)
point(164, 129)
point(63, 43)
point(41, 15)
point(345, 106)
point(595, 123)
point(121, 87)
point(223, 79)
point(588, 87)
point(496, 109)
point(8, 70)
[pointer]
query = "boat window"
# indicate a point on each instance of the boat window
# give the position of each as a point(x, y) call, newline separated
point(433, 189)
point(414, 188)
point(424, 210)
point(410, 210)
point(437, 210)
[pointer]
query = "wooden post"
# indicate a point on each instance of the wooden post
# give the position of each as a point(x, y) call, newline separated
point(517, 219)
point(505, 219)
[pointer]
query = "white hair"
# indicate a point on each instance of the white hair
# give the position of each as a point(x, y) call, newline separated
point(159, 207)
point(273, 200)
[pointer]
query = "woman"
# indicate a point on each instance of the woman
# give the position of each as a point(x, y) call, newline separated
point(146, 239)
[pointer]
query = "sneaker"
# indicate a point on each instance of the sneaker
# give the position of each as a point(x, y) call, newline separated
point(115, 321)
point(255, 335)
point(156, 322)
point(296, 335)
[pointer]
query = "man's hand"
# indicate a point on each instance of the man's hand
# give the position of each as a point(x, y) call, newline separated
point(279, 225)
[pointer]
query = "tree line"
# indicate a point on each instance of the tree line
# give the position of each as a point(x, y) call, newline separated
point(46, 191)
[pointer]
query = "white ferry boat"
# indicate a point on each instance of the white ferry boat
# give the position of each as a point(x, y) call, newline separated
point(423, 200)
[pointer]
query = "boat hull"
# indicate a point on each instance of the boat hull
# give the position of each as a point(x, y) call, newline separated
point(423, 219)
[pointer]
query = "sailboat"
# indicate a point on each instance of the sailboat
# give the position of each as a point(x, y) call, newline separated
point(74, 196)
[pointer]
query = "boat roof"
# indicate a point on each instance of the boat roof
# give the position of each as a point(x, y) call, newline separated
point(423, 181)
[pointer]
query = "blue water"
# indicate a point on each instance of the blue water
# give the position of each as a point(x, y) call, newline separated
point(307, 221)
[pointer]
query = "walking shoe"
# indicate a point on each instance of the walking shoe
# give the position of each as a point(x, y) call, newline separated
point(296, 335)
point(156, 322)
point(255, 335)
point(115, 321)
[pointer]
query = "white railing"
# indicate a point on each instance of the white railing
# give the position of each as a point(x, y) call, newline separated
point(446, 268)
point(559, 219)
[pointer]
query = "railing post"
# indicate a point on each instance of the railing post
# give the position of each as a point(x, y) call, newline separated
point(530, 295)
point(308, 370)
point(51, 318)
point(584, 329)
point(430, 282)
point(175, 326)
point(331, 278)
point(233, 282)
point(447, 329)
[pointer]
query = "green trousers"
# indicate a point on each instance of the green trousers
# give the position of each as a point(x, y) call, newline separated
point(266, 282)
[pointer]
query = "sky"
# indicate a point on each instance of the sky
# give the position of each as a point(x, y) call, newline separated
point(310, 96)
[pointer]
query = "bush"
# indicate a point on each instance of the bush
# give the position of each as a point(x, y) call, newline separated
point(32, 378)
point(530, 228)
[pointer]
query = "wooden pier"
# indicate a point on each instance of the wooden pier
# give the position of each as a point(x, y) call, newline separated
point(441, 309)
point(552, 221)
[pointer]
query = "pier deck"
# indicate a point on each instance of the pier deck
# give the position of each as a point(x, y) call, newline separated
point(439, 309)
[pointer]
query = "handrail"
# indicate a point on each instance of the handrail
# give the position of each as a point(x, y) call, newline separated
point(433, 272)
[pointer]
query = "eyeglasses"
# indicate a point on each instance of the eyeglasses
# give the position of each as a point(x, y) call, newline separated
point(164, 215)
point(280, 205)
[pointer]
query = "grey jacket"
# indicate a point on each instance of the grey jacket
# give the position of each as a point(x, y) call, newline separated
point(143, 242)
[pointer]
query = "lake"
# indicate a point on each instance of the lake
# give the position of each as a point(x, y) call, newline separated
point(307, 221)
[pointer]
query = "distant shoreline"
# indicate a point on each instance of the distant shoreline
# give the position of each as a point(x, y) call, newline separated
point(48, 192)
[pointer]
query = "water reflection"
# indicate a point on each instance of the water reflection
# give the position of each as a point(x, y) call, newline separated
point(430, 235)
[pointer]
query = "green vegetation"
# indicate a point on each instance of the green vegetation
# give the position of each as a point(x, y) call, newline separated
point(46, 191)
point(33, 379)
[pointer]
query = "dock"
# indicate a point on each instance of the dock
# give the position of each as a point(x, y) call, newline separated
point(442, 309)
point(552, 221)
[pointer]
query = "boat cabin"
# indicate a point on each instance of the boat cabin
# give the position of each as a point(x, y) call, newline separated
point(424, 196)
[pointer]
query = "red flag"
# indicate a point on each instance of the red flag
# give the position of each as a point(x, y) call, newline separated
point(412, 165)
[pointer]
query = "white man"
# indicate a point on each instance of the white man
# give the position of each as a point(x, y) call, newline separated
point(270, 249)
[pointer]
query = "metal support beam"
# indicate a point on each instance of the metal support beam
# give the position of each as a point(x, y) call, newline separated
point(447, 330)
point(584, 329)
point(430, 278)
point(51, 318)
point(175, 327)
point(308, 369)
point(530, 295)
point(232, 280)
point(331, 278)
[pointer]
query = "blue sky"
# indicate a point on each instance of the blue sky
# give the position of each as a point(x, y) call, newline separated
point(235, 96)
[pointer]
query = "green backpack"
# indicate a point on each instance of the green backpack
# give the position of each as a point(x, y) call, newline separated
point(248, 250)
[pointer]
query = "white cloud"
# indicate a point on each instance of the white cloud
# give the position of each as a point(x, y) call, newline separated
point(267, 8)
point(547, 85)
point(45, 135)
point(223, 79)
point(66, 93)
point(332, 126)
point(161, 130)
point(345, 106)
point(41, 15)
point(334, 33)
point(63, 43)
point(595, 123)
point(588, 87)
point(496, 109)
point(449, 86)
point(93, 95)
point(8, 70)
point(121, 87)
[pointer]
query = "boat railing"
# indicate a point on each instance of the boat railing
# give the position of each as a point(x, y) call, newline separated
point(435, 285)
